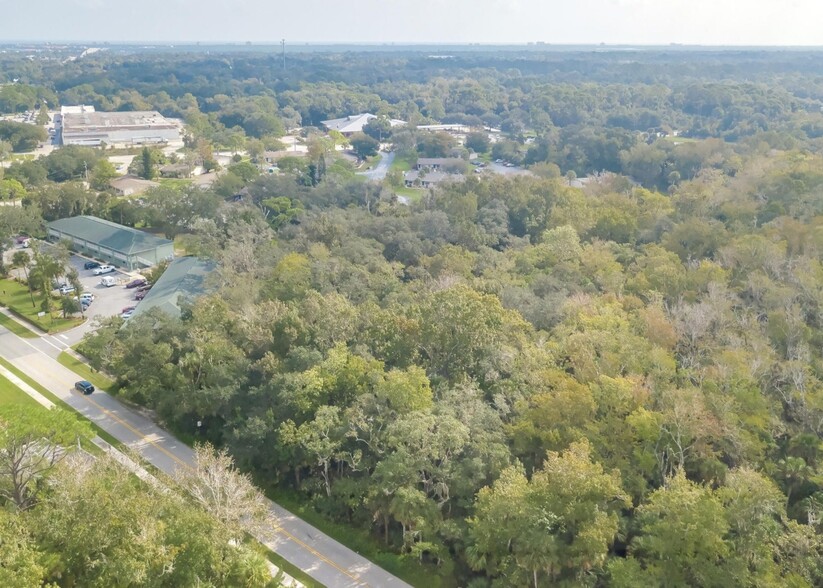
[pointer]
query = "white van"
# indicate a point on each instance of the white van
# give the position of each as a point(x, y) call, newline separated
point(108, 281)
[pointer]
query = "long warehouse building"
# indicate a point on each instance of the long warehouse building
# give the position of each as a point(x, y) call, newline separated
point(112, 243)
point(118, 129)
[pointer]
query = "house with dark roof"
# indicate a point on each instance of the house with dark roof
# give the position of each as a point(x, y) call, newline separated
point(115, 244)
point(436, 163)
point(423, 179)
point(182, 282)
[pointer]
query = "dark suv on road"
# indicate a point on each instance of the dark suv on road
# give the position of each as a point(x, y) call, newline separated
point(84, 386)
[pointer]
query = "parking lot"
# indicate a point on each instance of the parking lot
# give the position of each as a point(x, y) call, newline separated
point(107, 301)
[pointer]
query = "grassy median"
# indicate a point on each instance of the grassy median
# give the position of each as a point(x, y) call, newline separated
point(82, 369)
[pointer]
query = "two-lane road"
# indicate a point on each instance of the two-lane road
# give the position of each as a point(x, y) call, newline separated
point(318, 555)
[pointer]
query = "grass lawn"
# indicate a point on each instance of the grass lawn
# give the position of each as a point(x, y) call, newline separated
point(11, 394)
point(413, 194)
point(16, 328)
point(84, 371)
point(173, 182)
point(407, 569)
point(402, 164)
point(15, 297)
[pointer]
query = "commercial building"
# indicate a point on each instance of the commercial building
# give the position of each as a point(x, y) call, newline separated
point(118, 129)
point(183, 281)
point(107, 241)
point(349, 125)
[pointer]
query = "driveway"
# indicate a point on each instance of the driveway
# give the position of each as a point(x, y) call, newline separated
point(378, 174)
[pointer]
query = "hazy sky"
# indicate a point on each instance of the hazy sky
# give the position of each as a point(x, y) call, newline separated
point(716, 22)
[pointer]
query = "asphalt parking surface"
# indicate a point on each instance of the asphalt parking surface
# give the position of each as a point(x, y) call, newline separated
point(108, 301)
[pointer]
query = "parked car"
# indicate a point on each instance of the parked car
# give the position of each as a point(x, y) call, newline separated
point(103, 269)
point(145, 288)
point(140, 294)
point(87, 296)
point(127, 309)
point(66, 289)
point(127, 314)
point(108, 281)
point(84, 386)
point(136, 283)
point(91, 265)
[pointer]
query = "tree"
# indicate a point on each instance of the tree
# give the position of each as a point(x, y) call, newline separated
point(23, 137)
point(21, 562)
point(379, 128)
point(22, 259)
point(363, 145)
point(681, 539)
point(43, 116)
point(134, 534)
point(47, 268)
point(560, 524)
point(11, 189)
point(229, 496)
point(148, 164)
point(102, 174)
point(478, 142)
point(320, 439)
point(435, 144)
point(32, 442)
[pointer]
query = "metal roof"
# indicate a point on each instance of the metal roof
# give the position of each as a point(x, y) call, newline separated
point(355, 123)
point(108, 234)
point(183, 279)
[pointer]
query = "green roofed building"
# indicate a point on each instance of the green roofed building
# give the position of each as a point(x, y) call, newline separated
point(112, 243)
point(183, 281)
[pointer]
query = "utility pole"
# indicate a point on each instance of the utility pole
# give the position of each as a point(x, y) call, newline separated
point(283, 45)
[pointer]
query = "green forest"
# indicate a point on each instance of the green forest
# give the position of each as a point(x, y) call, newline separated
point(505, 381)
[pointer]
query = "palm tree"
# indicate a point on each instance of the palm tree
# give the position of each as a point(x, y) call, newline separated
point(47, 269)
point(74, 279)
point(22, 260)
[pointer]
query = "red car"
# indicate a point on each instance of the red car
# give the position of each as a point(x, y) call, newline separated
point(137, 283)
point(127, 309)
point(140, 294)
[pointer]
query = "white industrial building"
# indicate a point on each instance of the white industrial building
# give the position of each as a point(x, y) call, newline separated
point(81, 125)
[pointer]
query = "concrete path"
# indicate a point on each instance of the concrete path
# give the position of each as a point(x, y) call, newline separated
point(321, 557)
point(379, 172)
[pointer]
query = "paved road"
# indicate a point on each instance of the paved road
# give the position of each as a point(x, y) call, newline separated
point(382, 168)
point(321, 557)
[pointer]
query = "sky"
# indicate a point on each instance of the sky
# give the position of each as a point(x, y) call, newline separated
point(627, 22)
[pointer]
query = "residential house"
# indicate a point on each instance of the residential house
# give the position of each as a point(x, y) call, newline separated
point(129, 185)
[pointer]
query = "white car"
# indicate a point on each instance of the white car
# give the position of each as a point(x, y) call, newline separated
point(66, 289)
point(103, 269)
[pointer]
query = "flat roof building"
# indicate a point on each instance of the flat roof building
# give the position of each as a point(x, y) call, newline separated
point(115, 244)
point(118, 129)
point(183, 281)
